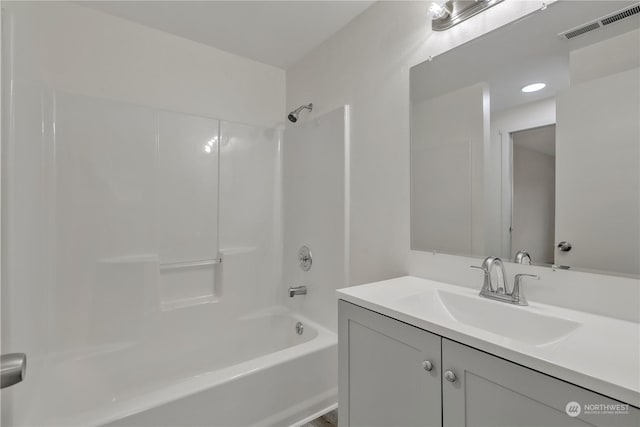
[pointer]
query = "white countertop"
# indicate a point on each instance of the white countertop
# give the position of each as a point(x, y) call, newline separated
point(602, 354)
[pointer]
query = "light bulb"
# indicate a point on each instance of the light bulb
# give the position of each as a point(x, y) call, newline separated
point(438, 9)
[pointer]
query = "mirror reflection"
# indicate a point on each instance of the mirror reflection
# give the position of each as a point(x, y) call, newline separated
point(525, 143)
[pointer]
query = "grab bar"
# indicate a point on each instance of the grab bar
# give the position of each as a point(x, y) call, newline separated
point(189, 264)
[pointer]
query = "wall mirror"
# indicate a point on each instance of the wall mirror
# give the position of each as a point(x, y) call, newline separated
point(528, 138)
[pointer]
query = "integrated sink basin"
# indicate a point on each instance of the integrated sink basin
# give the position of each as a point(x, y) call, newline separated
point(523, 324)
point(515, 322)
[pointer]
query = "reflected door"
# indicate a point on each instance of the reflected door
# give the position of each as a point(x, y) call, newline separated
point(533, 192)
point(598, 174)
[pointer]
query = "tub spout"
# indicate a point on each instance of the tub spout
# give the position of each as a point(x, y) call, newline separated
point(297, 290)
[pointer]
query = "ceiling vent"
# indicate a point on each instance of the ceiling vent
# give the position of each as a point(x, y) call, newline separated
point(602, 22)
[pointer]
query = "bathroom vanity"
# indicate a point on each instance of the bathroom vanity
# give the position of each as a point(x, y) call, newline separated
point(415, 352)
point(515, 149)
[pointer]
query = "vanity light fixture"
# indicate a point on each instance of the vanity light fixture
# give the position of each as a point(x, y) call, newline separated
point(438, 9)
point(208, 147)
point(446, 14)
point(534, 87)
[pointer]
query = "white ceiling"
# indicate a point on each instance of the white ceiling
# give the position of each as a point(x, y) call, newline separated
point(278, 33)
point(513, 56)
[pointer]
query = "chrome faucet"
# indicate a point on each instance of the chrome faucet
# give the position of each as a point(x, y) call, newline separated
point(500, 291)
point(487, 267)
point(297, 290)
point(522, 257)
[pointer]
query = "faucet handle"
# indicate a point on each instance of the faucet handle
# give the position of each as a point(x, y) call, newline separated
point(521, 275)
point(517, 294)
point(486, 284)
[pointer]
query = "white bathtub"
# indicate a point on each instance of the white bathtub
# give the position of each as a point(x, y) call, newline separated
point(250, 371)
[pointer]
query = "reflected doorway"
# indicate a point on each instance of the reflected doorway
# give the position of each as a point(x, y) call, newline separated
point(533, 166)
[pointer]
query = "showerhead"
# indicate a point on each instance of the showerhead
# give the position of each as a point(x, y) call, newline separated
point(293, 116)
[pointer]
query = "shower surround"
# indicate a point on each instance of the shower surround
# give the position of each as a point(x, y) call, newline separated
point(143, 235)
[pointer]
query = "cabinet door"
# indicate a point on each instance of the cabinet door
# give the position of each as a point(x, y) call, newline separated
point(490, 391)
point(382, 379)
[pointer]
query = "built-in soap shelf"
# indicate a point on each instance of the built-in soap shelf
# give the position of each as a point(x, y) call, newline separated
point(188, 283)
point(189, 264)
point(194, 282)
point(152, 284)
point(165, 285)
point(238, 250)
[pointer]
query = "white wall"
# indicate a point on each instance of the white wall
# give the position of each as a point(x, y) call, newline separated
point(622, 53)
point(315, 212)
point(366, 65)
point(447, 203)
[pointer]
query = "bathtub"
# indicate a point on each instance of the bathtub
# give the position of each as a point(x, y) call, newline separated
point(258, 370)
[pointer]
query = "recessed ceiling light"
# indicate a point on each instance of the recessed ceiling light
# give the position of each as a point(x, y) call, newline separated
point(533, 87)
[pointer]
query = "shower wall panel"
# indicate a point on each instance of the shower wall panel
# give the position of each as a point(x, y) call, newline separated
point(316, 210)
point(110, 181)
point(112, 227)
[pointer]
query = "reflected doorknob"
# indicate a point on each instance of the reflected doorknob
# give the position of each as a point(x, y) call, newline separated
point(564, 246)
point(13, 369)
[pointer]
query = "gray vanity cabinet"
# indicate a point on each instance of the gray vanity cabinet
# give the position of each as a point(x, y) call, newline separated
point(389, 372)
point(383, 382)
point(490, 391)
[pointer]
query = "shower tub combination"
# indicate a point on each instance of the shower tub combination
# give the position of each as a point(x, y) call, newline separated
point(127, 334)
point(270, 369)
point(118, 208)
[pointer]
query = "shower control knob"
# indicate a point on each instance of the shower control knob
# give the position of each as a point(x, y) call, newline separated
point(427, 365)
point(305, 259)
point(450, 376)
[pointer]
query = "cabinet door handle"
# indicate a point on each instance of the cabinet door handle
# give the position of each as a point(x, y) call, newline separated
point(450, 376)
point(427, 365)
